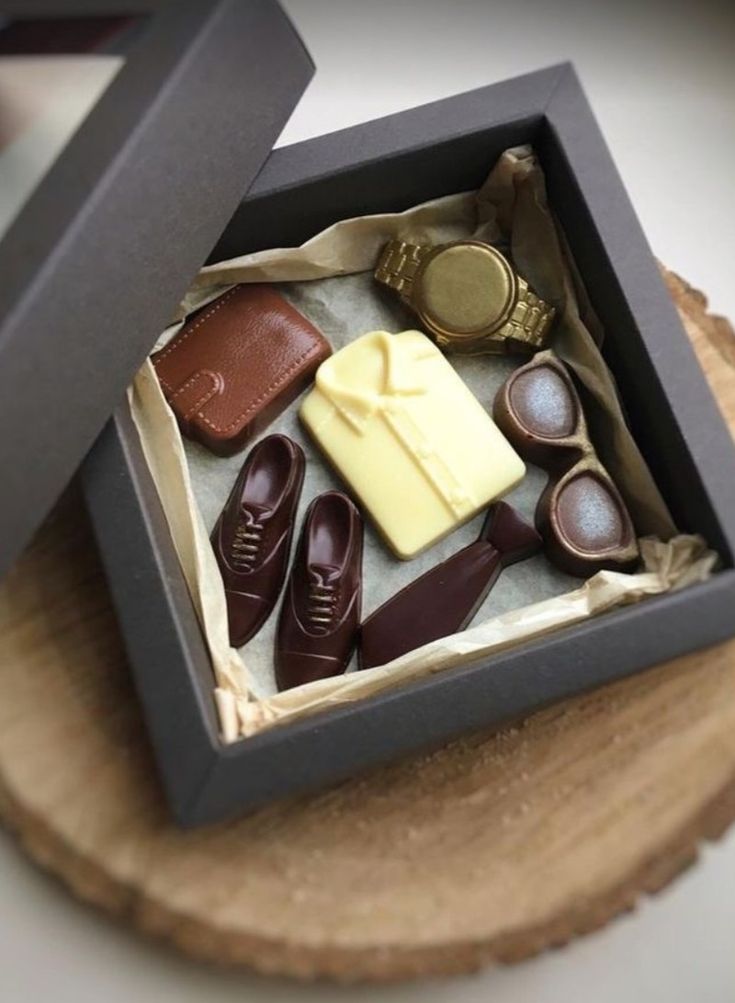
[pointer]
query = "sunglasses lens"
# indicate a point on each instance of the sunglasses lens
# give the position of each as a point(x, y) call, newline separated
point(543, 404)
point(589, 517)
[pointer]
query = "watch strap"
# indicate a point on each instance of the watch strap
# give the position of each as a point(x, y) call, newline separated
point(530, 320)
point(398, 263)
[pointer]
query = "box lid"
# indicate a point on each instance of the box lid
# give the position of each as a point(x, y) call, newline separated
point(97, 261)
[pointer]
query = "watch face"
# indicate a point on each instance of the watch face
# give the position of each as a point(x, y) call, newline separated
point(465, 290)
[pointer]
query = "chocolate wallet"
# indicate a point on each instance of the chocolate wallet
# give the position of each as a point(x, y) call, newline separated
point(237, 364)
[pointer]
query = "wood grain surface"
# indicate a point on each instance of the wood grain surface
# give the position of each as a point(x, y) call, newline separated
point(491, 849)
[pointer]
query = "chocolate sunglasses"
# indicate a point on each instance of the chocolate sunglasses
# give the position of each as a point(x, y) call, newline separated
point(581, 515)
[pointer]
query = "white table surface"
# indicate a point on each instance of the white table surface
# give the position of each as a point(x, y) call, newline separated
point(661, 79)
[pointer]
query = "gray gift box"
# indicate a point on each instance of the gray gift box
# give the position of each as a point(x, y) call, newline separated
point(139, 201)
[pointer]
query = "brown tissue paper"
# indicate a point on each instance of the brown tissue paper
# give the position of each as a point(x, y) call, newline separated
point(329, 279)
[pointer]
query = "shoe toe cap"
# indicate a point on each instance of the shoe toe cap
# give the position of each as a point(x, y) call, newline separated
point(293, 668)
point(246, 614)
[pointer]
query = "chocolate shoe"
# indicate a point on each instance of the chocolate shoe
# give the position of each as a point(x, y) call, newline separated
point(252, 537)
point(320, 615)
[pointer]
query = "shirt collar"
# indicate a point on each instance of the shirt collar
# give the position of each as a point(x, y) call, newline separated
point(357, 397)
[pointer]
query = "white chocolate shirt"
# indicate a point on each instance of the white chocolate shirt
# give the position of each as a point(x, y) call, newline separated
point(408, 436)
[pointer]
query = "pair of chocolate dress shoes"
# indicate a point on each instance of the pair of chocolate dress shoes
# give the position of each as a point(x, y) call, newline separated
point(320, 614)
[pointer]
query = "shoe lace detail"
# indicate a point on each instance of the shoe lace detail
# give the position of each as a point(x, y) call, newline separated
point(322, 603)
point(246, 543)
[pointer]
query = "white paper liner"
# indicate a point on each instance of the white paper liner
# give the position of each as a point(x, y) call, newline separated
point(343, 307)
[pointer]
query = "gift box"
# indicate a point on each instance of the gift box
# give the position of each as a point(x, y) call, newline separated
point(104, 278)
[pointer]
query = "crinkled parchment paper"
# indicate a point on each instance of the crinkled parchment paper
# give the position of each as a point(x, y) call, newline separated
point(330, 280)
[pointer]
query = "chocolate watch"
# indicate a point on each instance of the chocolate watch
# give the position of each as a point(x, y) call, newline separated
point(468, 296)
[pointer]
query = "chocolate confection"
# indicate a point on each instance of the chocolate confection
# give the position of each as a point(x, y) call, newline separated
point(446, 598)
point(467, 295)
point(320, 615)
point(581, 515)
point(405, 432)
point(236, 364)
point(252, 537)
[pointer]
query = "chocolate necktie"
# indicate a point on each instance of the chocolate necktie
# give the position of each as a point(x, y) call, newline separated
point(446, 598)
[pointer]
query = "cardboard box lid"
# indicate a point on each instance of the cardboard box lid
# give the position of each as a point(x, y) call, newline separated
point(97, 261)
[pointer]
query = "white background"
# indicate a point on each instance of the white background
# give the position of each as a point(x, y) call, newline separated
point(660, 77)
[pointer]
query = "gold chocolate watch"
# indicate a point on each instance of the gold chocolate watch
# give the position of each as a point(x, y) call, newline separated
point(467, 295)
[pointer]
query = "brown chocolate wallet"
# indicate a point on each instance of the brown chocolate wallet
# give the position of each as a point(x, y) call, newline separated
point(236, 364)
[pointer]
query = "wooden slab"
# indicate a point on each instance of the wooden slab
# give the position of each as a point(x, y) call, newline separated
point(489, 850)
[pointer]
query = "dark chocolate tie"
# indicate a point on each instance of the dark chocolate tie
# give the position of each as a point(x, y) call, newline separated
point(446, 598)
